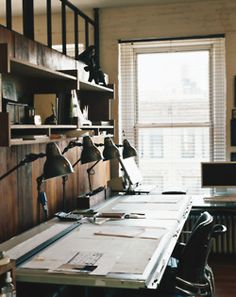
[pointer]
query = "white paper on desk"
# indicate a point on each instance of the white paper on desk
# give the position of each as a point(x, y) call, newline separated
point(159, 224)
point(115, 252)
point(139, 207)
point(136, 257)
point(152, 199)
point(32, 243)
point(130, 232)
point(151, 211)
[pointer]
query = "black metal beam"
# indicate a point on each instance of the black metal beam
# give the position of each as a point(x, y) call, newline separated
point(63, 25)
point(79, 12)
point(28, 18)
point(86, 28)
point(96, 36)
point(76, 32)
point(49, 23)
point(9, 14)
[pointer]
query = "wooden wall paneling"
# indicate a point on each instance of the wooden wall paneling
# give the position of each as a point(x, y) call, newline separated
point(8, 194)
point(83, 184)
point(37, 170)
point(5, 129)
point(25, 194)
point(53, 190)
point(71, 188)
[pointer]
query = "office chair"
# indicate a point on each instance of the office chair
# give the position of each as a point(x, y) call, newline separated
point(173, 193)
point(192, 275)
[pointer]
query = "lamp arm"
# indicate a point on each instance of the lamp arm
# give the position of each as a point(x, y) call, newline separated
point(76, 162)
point(91, 168)
point(28, 159)
point(71, 145)
point(89, 173)
point(39, 180)
point(102, 144)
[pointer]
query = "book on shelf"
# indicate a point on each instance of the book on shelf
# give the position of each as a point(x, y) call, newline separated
point(34, 137)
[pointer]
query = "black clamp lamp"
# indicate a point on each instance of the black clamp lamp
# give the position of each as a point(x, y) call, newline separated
point(90, 153)
point(54, 166)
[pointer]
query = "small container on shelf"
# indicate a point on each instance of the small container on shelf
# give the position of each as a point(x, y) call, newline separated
point(8, 290)
point(4, 260)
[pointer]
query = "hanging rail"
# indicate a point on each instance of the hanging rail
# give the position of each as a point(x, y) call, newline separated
point(28, 24)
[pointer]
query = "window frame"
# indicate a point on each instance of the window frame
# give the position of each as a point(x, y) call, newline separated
point(216, 48)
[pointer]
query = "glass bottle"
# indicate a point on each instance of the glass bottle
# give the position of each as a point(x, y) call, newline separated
point(8, 290)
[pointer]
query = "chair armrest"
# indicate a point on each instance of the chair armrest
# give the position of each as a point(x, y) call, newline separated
point(190, 288)
point(218, 229)
point(178, 250)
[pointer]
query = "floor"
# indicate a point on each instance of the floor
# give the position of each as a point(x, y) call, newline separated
point(224, 269)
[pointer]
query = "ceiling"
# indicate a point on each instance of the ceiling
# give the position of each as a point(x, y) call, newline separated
point(40, 5)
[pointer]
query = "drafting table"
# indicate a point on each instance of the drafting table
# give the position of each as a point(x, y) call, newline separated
point(115, 251)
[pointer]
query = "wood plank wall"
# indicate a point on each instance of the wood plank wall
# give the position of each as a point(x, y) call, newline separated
point(18, 191)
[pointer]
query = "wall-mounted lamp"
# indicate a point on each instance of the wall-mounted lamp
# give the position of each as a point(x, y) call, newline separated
point(110, 151)
point(90, 153)
point(56, 165)
point(128, 150)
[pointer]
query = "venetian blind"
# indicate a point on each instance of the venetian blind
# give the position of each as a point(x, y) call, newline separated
point(173, 107)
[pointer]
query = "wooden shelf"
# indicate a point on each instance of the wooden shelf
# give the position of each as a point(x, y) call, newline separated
point(46, 80)
point(15, 134)
point(89, 86)
point(100, 129)
point(22, 142)
point(85, 85)
point(28, 69)
point(25, 126)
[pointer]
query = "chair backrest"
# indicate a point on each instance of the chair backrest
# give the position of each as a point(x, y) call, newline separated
point(173, 193)
point(193, 259)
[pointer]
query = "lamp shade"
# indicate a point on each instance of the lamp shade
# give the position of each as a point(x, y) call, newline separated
point(90, 152)
point(110, 151)
point(56, 164)
point(128, 150)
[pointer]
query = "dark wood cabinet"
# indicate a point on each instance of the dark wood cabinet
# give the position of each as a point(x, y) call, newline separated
point(31, 69)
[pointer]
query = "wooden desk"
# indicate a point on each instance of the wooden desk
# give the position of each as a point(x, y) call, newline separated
point(120, 253)
point(200, 203)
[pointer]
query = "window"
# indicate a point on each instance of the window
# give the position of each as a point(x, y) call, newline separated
point(172, 96)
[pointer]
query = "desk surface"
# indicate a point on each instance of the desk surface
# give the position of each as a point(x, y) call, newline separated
point(215, 204)
point(128, 253)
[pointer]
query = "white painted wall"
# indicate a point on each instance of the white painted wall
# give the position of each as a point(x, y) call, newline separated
point(171, 20)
